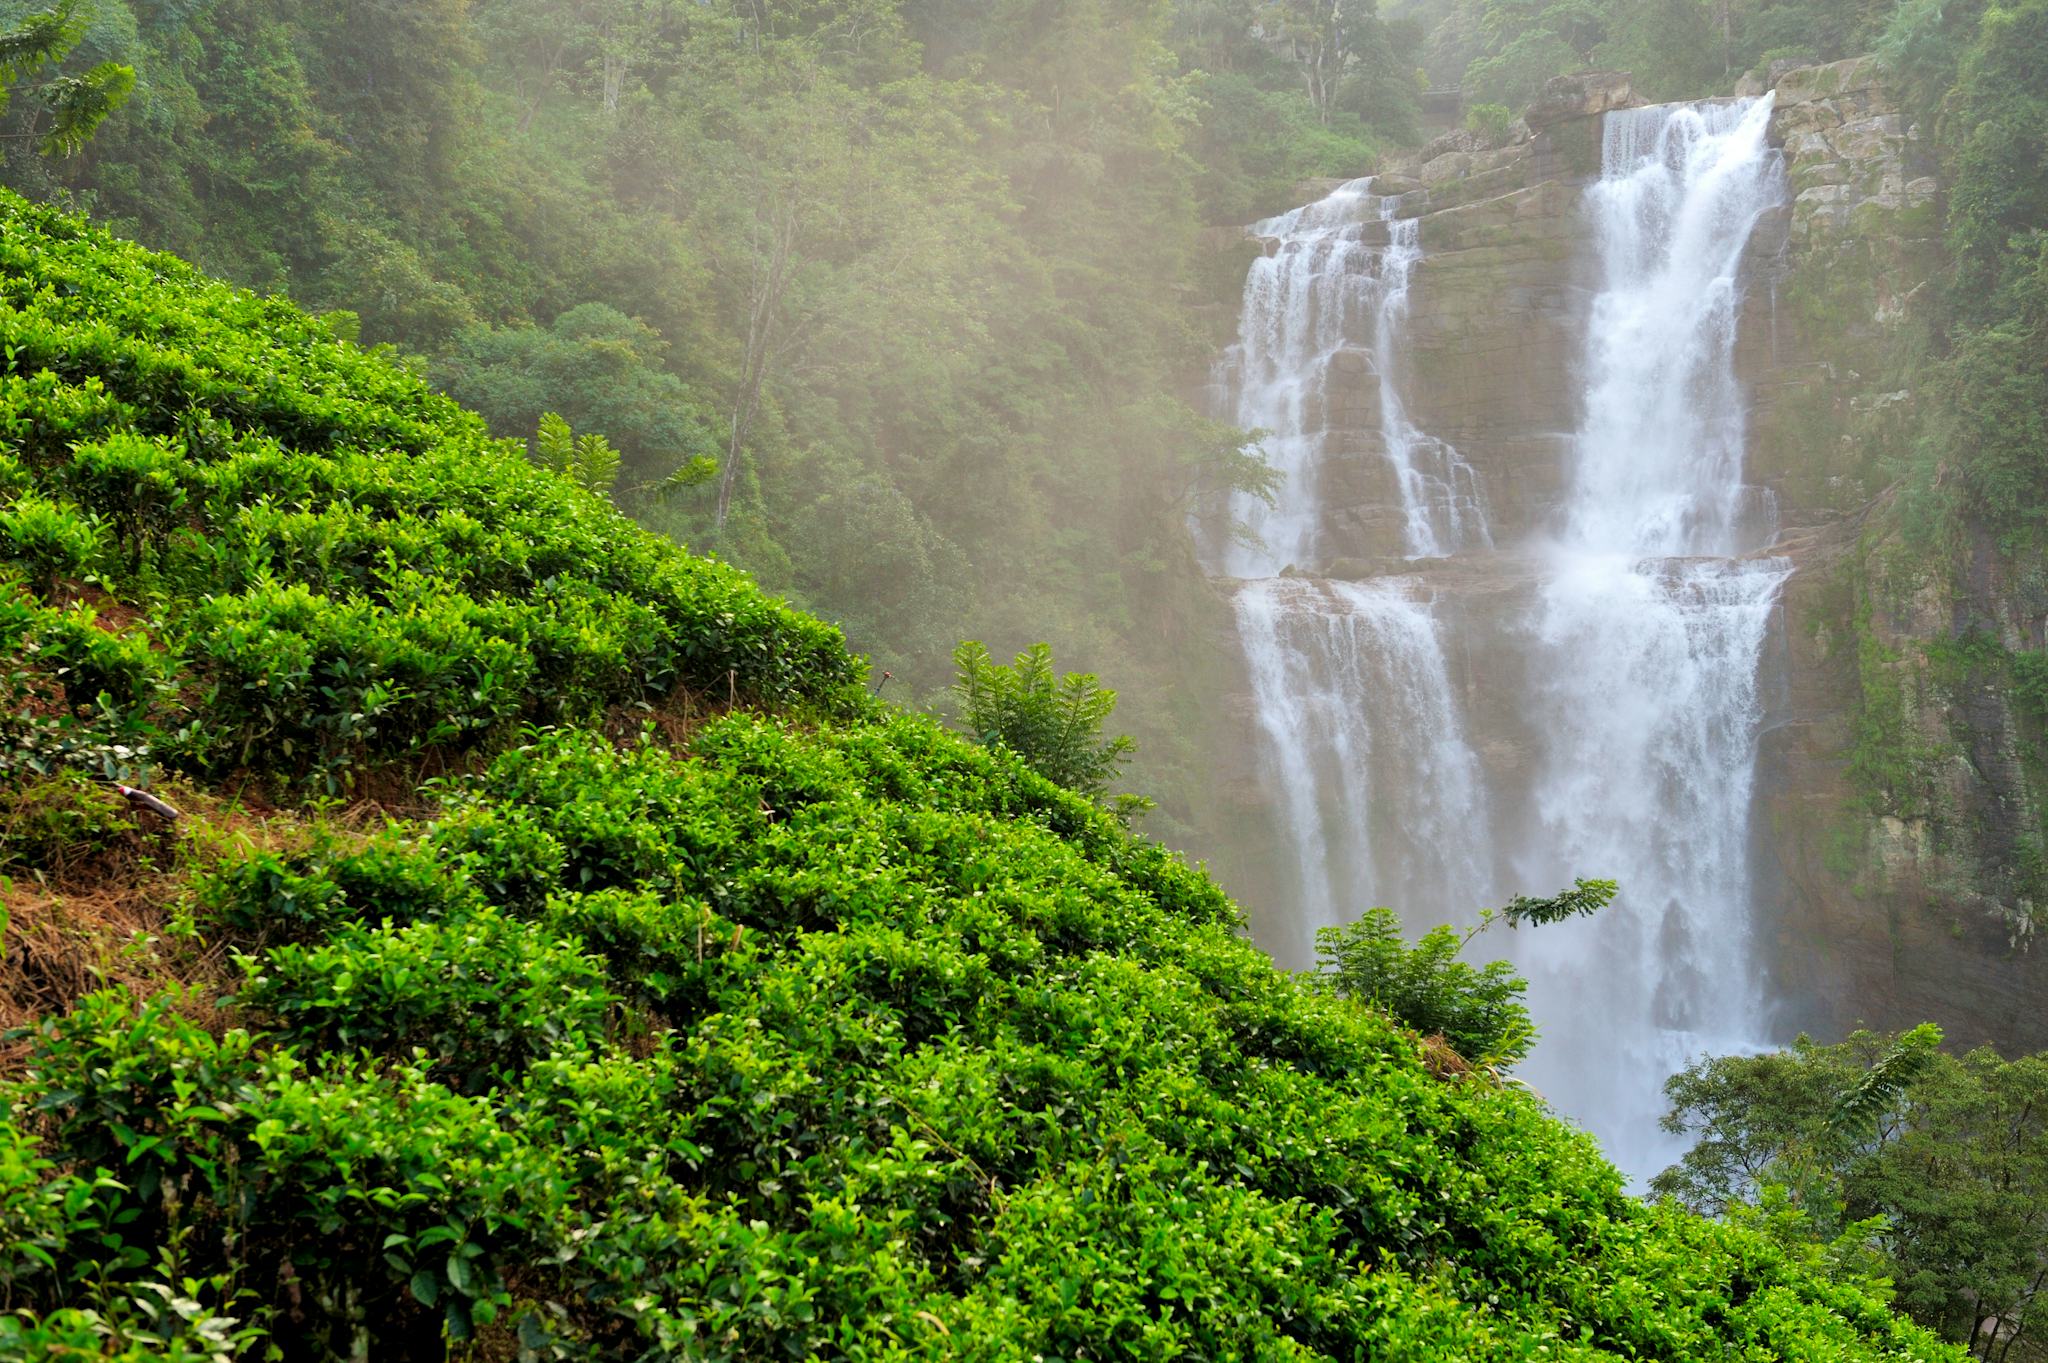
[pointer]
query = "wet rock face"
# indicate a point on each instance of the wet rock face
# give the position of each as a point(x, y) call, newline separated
point(1883, 919)
point(1586, 94)
point(1849, 149)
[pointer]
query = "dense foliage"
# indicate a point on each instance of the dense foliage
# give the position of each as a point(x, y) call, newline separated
point(315, 561)
point(1504, 50)
point(803, 1030)
point(1941, 1180)
point(914, 274)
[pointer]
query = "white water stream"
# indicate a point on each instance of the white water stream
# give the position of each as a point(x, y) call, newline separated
point(1633, 648)
point(1334, 283)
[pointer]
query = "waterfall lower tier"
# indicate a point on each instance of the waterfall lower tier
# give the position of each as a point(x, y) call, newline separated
point(1493, 720)
point(1645, 717)
point(1354, 697)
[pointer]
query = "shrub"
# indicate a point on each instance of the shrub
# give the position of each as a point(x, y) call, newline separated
point(1054, 725)
point(138, 484)
point(368, 575)
point(479, 995)
point(50, 540)
point(297, 894)
point(327, 682)
point(96, 667)
point(53, 823)
point(663, 952)
point(1478, 1011)
point(1489, 122)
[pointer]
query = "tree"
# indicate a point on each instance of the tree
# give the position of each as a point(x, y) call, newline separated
point(75, 105)
point(597, 367)
point(1053, 723)
point(904, 585)
point(1478, 1012)
point(1938, 1163)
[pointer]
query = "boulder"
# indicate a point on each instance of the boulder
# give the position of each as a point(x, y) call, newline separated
point(1457, 139)
point(1754, 83)
point(1450, 166)
point(1584, 94)
point(1807, 83)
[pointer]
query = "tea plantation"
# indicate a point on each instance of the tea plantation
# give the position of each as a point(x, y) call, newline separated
point(561, 955)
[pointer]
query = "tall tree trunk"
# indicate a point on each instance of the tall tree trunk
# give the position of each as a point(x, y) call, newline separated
point(771, 280)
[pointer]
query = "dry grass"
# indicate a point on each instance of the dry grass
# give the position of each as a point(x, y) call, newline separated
point(676, 718)
point(60, 947)
point(1441, 1059)
point(112, 911)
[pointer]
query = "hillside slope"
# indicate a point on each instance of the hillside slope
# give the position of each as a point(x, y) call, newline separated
point(725, 1016)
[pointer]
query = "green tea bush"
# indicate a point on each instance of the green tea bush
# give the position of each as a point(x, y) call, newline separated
point(278, 895)
point(946, 1079)
point(49, 540)
point(381, 1194)
point(138, 484)
point(96, 667)
point(356, 572)
point(477, 996)
point(334, 681)
point(664, 952)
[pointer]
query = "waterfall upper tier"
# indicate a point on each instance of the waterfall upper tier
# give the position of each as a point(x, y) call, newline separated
point(1318, 369)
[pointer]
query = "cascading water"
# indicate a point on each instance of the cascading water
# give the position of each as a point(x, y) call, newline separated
point(1334, 282)
point(1352, 688)
point(1634, 652)
point(1354, 697)
point(1443, 505)
point(1647, 635)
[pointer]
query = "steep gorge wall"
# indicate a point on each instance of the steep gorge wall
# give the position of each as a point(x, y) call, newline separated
point(1900, 811)
point(1876, 911)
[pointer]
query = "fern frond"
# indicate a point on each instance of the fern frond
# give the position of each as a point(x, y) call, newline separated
point(1883, 1085)
point(42, 37)
point(1586, 897)
point(597, 463)
point(81, 103)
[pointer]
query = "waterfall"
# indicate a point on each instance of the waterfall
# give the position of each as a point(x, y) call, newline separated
point(1333, 285)
point(1351, 686)
point(1647, 634)
point(1657, 465)
point(1354, 695)
point(1443, 504)
point(1612, 653)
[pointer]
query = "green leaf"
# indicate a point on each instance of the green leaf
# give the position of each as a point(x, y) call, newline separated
point(426, 1289)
